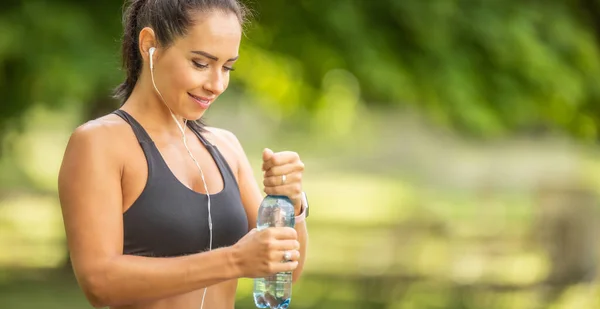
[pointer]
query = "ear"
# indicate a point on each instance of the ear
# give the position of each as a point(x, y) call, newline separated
point(147, 39)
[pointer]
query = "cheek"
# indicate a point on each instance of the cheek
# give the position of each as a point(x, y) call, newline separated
point(183, 77)
point(176, 76)
point(226, 79)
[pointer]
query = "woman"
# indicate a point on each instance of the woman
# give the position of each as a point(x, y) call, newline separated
point(160, 212)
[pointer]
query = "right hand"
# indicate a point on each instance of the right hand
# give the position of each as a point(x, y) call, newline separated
point(260, 253)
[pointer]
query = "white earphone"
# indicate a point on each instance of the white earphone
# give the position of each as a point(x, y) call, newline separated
point(151, 51)
point(182, 129)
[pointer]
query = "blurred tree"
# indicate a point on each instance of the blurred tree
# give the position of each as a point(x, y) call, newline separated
point(486, 68)
point(55, 54)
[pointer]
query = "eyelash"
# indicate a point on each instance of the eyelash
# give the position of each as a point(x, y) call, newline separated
point(204, 66)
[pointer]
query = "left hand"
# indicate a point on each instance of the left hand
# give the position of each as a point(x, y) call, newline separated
point(275, 166)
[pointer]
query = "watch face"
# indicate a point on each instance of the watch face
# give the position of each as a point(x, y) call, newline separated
point(307, 210)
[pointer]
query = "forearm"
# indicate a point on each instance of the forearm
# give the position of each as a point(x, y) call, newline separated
point(302, 232)
point(130, 279)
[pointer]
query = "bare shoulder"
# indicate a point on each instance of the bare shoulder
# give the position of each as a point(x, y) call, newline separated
point(103, 129)
point(98, 140)
point(229, 145)
point(223, 137)
point(101, 134)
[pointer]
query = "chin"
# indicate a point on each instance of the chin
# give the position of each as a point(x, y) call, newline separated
point(195, 112)
point(193, 116)
point(191, 112)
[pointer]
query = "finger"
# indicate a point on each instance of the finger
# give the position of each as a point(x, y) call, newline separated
point(279, 256)
point(278, 267)
point(294, 255)
point(290, 190)
point(280, 158)
point(267, 154)
point(274, 181)
point(284, 233)
point(285, 169)
point(286, 245)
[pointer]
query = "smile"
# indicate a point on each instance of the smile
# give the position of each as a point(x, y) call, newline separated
point(204, 103)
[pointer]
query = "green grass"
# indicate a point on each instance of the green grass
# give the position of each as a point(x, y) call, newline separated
point(56, 289)
point(40, 289)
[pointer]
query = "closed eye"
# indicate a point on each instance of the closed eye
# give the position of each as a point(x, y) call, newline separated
point(204, 66)
point(200, 65)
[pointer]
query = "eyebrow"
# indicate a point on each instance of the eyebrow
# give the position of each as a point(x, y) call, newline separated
point(209, 56)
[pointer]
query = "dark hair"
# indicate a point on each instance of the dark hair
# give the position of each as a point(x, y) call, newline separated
point(169, 19)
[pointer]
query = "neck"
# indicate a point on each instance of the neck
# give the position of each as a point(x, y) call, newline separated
point(147, 107)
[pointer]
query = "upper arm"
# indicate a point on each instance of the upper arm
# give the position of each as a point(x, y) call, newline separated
point(89, 186)
point(249, 190)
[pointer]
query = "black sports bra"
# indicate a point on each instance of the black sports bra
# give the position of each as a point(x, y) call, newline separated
point(170, 219)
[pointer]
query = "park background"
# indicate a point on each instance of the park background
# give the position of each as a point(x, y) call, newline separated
point(452, 146)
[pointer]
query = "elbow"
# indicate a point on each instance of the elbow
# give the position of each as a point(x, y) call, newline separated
point(96, 290)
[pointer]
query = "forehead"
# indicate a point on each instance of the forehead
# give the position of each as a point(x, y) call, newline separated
point(215, 32)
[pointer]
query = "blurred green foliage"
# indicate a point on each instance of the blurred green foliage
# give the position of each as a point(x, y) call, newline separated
point(486, 68)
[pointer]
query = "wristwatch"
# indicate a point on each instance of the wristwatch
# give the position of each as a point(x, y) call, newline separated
point(305, 204)
point(304, 213)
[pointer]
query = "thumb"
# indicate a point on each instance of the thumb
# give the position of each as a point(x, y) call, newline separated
point(267, 154)
point(252, 231)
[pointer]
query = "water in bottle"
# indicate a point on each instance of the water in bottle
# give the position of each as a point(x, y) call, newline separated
point(274, 292)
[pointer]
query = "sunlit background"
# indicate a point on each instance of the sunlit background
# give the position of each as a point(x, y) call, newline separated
point(451, 146)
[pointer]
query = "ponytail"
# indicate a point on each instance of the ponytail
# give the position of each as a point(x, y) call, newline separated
point(132, 60)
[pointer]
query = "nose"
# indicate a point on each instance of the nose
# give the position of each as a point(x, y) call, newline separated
point(216, 83)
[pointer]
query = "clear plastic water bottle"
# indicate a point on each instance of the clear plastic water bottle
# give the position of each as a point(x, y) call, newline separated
point(275, 291)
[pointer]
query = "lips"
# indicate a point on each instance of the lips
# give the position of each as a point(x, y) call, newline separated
point(201, 101)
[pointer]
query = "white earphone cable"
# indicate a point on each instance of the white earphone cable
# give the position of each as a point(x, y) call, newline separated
point(182, 129)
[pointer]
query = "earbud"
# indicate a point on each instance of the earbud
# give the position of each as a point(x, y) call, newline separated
point(151, 51)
